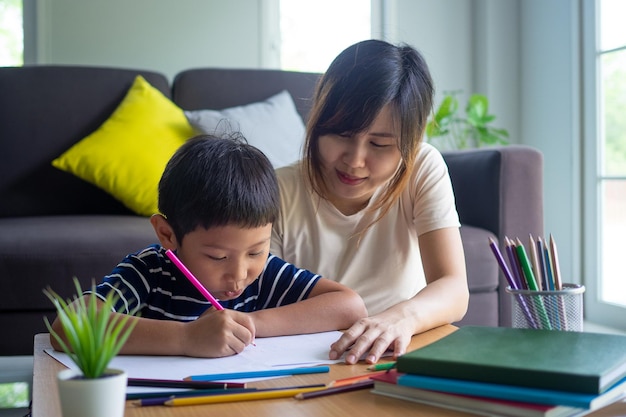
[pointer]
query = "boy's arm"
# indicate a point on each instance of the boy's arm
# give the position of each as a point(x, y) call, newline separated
point(214, 334)
point(329, 306)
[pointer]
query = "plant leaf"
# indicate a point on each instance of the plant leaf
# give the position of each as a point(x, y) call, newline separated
point(94, 333)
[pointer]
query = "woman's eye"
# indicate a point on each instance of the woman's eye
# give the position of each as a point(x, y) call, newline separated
point(379, 145)
point(216, 258)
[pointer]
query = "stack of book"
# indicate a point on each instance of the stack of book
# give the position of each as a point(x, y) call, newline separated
point(512, 372)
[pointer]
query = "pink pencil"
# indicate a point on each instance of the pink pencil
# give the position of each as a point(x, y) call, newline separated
point(194, 280)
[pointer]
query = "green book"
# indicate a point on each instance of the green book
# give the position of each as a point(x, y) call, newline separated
point(547, 359)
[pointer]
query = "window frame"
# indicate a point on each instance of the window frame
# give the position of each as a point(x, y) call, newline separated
point(596, 310)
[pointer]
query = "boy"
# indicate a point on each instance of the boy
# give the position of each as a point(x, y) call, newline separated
point(218, 198)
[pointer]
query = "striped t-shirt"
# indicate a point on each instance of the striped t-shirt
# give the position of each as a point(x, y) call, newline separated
point(151, 286)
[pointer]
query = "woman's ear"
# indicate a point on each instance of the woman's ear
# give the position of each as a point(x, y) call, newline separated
point(164, 231)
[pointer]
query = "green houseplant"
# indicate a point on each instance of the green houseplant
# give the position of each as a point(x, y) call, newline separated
point(93, 337)
point(447, 129)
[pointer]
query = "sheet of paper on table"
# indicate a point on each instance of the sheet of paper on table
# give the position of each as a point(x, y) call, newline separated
point(269, 353)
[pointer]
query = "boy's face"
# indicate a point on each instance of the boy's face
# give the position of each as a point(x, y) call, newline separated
point(226, 259)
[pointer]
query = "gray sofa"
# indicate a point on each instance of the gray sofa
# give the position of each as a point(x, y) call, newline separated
point(54, 226)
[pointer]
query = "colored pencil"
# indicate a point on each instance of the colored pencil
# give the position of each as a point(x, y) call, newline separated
point(193, 280)
point(542, 264)
point(260, 374)
point(505, 269)
point(525, 264)
point(534, 258)
point(176, 383)
point(555, 265)
point(159, 398)
point(352, 379)
point(368, 383)
point(516, 273)
point(382, 366)
point(245, 396)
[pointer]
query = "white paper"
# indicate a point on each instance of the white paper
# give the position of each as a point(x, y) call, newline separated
point(269, 353)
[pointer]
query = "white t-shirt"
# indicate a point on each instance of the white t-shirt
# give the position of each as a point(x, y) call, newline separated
point(384, 264)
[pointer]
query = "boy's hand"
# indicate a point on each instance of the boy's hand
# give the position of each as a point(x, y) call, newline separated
point(218, 333)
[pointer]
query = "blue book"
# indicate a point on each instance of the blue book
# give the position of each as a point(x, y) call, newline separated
point(515, 393)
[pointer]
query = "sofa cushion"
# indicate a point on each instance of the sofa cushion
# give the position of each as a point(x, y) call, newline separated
point(127, 154)
point(220, 88)
point(273, 125)
point(482, 267)
point(49, 250)
point(45, 110)
point(37, 252)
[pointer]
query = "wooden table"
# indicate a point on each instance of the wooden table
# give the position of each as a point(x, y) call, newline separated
point(359, 403)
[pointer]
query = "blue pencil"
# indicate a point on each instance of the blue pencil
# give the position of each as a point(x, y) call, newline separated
point(260, 374)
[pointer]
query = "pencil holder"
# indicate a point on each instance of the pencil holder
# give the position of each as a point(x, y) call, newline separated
point(554, 310)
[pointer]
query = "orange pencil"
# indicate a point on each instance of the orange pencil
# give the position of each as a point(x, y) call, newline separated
point(558, 285)
point(353, 379)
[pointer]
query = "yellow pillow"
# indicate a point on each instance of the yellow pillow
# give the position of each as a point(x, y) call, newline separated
point(126, 156)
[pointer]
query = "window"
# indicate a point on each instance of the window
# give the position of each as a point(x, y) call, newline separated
point(313, 33)
point(605, 161)
point(11, 33)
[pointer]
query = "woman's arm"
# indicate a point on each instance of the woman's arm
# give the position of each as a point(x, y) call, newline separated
point(329, 306)
point(444, 300)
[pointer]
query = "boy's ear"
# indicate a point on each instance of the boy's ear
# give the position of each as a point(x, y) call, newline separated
point(164, 231)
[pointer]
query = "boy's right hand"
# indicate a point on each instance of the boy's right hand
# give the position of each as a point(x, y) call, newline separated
point(218, 333)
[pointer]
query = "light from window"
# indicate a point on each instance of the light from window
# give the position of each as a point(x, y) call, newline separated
point(11, 33)
point(612, 179)
point(313, 33)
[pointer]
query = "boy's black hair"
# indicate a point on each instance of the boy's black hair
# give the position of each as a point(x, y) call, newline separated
point(216, 181)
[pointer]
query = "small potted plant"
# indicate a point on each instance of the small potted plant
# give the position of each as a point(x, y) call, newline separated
point(93, 336)
point(448, 130)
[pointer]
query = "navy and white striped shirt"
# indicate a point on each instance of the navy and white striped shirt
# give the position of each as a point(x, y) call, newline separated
point(150, 285)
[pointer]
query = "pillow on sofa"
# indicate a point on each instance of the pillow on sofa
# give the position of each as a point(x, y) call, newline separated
point(274, 126)
point(127, 154)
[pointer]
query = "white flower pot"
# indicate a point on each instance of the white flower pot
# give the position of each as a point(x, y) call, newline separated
point(98, 397)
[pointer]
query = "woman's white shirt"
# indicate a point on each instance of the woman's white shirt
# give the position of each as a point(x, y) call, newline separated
point(383, 264)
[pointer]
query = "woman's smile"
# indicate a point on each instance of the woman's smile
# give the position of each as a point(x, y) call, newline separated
point(349, 179)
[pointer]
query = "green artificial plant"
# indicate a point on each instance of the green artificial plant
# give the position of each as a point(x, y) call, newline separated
point(94, 335)
point(452, 131)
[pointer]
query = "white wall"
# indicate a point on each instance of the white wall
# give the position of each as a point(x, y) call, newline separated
point(550, 117)
point(441, 31)
point(162, 35)
point(523, 54)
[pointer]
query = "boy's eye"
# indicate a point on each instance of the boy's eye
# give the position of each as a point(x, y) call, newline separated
point(216, 258)
point(259, 253)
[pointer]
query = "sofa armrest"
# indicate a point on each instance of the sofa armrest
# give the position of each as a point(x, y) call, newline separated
point(499, 189)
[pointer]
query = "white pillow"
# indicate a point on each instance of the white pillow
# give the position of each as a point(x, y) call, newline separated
point(274, 126)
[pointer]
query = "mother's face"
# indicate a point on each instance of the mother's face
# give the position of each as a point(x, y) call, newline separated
point(354, 166)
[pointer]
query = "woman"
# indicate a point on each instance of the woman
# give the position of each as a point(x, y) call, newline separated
point(371, 205)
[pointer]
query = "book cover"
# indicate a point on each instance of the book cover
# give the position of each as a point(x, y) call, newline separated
point(385, 384)
point(547, 359)
point(515, 393)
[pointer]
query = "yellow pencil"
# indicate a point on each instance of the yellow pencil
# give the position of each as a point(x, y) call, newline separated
point(244, 396)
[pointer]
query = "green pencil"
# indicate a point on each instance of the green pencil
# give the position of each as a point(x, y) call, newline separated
point(382, 366)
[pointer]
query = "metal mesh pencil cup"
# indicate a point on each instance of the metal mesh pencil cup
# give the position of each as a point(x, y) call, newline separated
point(553, 310)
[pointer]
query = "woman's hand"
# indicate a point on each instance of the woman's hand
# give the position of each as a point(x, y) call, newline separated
point(218, 333)
point(371, 337)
